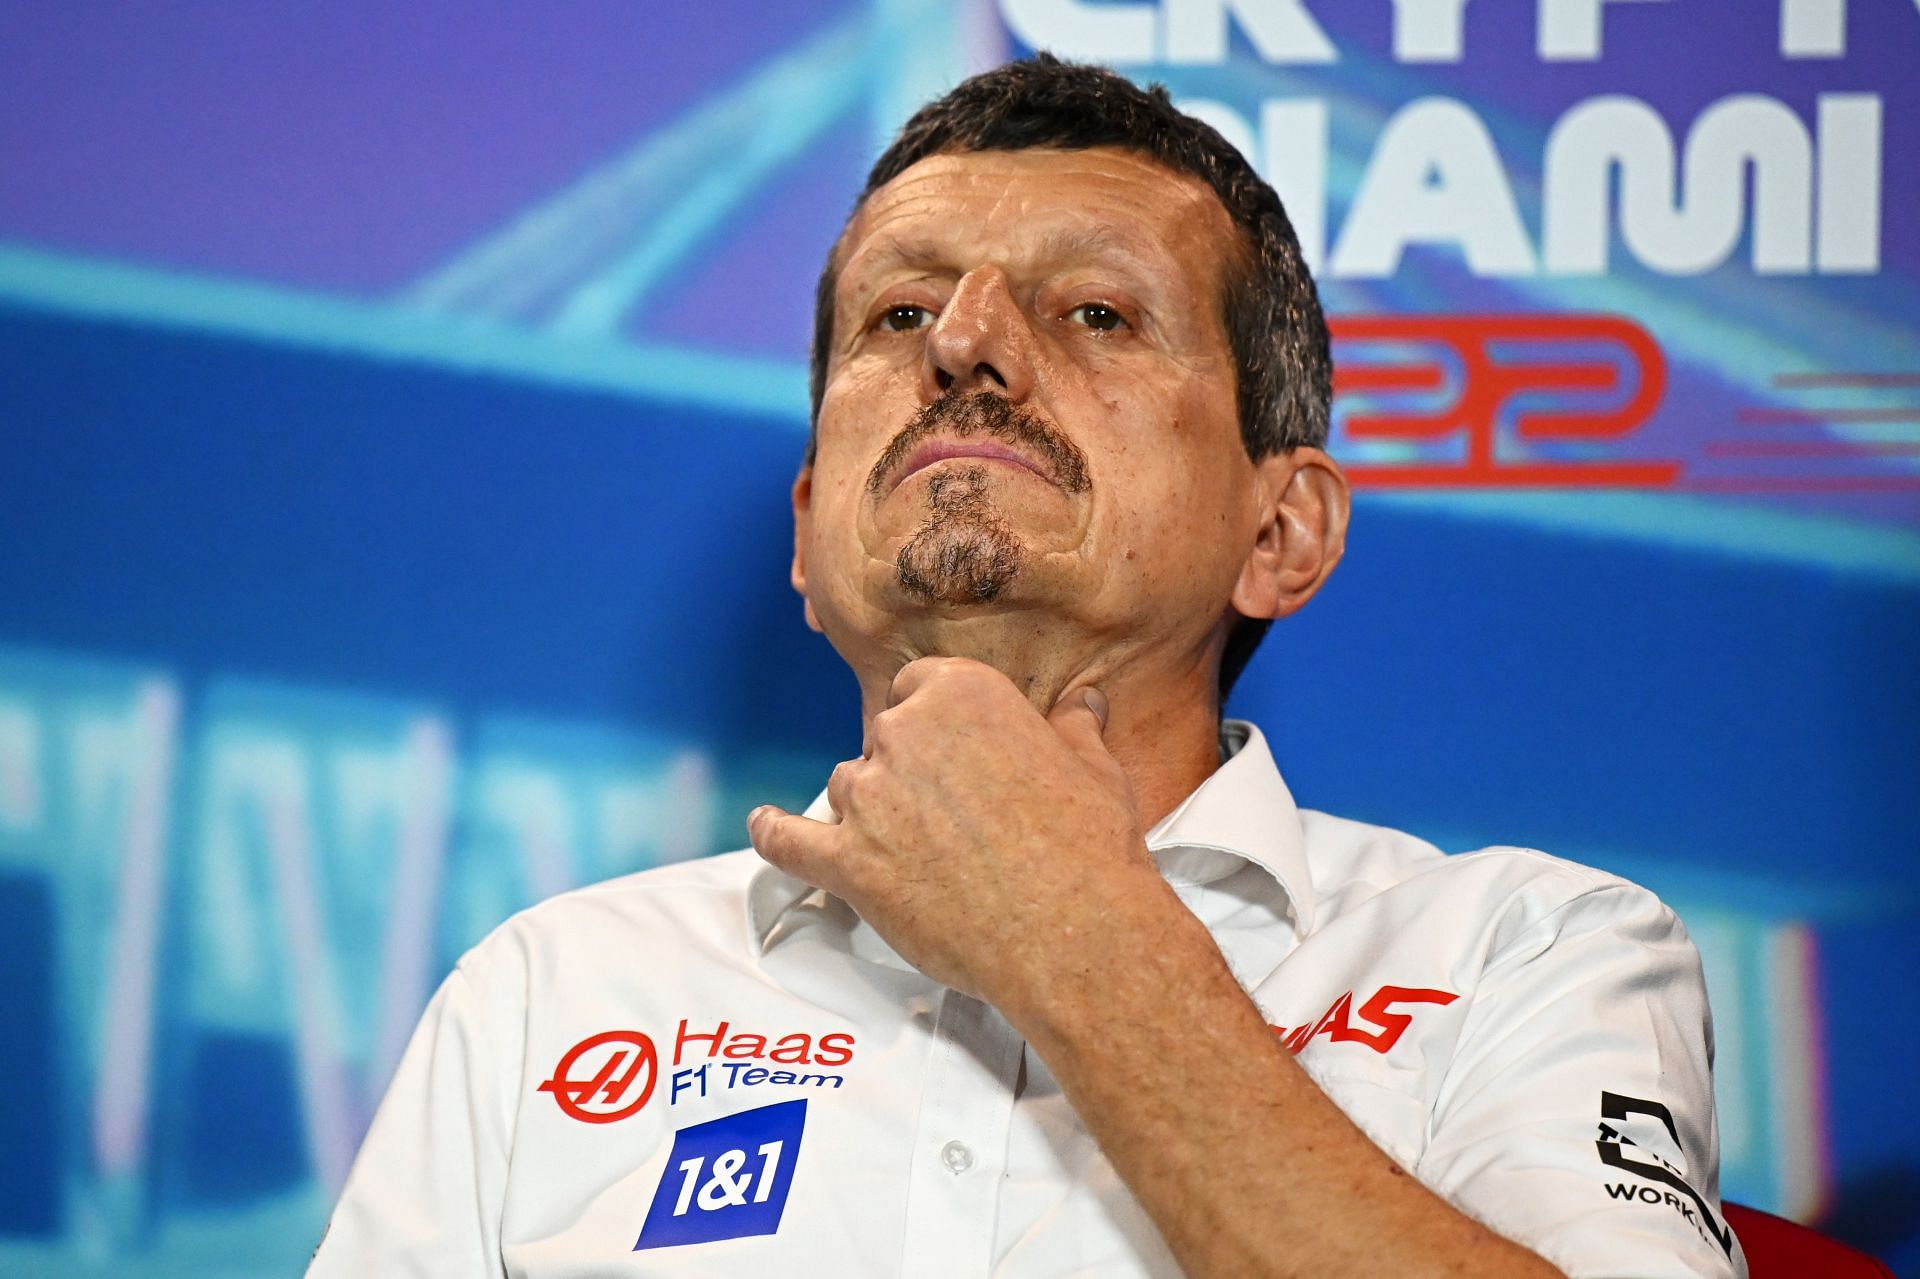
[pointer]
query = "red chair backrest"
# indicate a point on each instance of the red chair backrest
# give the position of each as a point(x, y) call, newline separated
point(1780, 1249)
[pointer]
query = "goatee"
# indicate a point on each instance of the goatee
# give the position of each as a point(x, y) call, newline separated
point(964, 553)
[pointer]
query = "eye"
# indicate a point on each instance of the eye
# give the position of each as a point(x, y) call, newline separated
point(905, 318)
point(1097, 316)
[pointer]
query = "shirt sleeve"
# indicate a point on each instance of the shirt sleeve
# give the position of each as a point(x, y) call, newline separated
point(425, 1192)
point(1577, 1115)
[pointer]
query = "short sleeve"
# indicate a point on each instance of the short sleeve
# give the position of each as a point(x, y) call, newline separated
point(1577, 1114)
point(425, 1193)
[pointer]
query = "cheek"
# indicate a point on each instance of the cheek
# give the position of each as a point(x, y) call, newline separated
point(836, 503)
point(856, 421)
point(1148, 533)
point(862, 381)
point(1176, 508)
point(1164, 477)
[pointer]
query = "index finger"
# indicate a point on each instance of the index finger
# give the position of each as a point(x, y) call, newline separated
point(910, 678)
point(916, 674)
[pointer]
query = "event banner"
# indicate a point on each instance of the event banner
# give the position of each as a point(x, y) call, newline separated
point(398, 406)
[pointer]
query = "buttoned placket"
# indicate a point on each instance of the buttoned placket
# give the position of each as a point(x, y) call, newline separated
point(960, 1141)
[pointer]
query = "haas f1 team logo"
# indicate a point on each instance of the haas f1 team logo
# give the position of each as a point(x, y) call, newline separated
point(605, 1077)
point(611, 1075)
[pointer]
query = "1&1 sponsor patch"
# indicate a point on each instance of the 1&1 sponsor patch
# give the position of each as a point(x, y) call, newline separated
point(727, 1178)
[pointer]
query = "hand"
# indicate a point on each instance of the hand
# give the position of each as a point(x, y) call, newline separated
point(984, 842)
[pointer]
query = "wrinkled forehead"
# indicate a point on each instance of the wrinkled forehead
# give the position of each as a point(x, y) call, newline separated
point(1039, 207)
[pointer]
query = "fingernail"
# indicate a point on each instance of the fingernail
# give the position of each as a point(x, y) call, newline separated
point(1097, 703)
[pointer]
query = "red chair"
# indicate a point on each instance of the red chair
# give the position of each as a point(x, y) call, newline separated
point(1780, 1249)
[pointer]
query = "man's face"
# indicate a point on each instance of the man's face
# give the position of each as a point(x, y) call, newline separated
point(1029, 403)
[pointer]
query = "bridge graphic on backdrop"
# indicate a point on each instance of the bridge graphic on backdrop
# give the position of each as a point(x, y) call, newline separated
point(585, 262)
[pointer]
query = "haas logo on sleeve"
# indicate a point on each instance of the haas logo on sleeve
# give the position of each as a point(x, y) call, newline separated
point(1381, 1019)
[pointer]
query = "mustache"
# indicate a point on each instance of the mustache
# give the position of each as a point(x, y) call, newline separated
point(962, 414)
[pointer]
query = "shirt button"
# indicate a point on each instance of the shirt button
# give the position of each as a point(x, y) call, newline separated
point(956, 1157)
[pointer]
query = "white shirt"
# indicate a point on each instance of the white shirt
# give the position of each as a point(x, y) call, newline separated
point(713, 1069)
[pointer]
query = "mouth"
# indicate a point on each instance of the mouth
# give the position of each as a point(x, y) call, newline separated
point(981, 425)
point(945, 450)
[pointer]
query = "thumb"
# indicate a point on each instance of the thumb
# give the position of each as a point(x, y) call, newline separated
point(1080, 718)
point(794, 843)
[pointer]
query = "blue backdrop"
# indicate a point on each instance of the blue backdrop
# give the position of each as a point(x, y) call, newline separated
point(397, 406)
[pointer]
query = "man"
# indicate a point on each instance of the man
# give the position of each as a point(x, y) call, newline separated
point(1054, 978)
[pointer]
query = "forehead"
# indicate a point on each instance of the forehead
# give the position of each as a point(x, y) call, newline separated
point(1041, 202)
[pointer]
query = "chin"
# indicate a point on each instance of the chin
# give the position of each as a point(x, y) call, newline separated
point(961, 562)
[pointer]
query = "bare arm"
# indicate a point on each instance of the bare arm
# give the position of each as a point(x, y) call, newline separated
point(1243, 1163)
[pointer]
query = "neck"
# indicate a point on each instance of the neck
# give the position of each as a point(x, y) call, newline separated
point(1163, 722)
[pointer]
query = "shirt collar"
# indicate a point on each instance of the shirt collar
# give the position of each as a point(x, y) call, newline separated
point(1242, 813)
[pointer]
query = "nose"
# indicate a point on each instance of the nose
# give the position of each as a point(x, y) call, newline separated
point(981, 341)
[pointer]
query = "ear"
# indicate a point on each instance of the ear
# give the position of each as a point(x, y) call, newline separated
point(802, 532)
point(1304, 503)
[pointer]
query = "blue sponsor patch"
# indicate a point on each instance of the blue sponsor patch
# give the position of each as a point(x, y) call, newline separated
point(726, 1178)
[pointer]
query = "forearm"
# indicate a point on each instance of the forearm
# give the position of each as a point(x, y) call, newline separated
point(1243, 1163)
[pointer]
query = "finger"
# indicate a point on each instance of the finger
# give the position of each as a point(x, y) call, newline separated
point(911, 678)
point(1080, 718)
point(795, 844)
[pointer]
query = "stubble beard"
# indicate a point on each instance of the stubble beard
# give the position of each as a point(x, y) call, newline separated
point(964, 553)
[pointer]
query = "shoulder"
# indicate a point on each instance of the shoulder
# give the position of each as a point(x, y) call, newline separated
point(1505, 892)
point(658, 912)
point(706, 883)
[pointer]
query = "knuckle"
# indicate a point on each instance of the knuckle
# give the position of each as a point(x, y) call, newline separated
point(840, 781)
point(859, 785)
point(851, 782)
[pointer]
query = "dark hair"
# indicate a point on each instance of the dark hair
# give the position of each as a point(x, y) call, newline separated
point(1275, 329)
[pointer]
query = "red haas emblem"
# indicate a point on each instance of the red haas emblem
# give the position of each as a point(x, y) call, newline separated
point(1381, 1021)
point(600, 1079)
